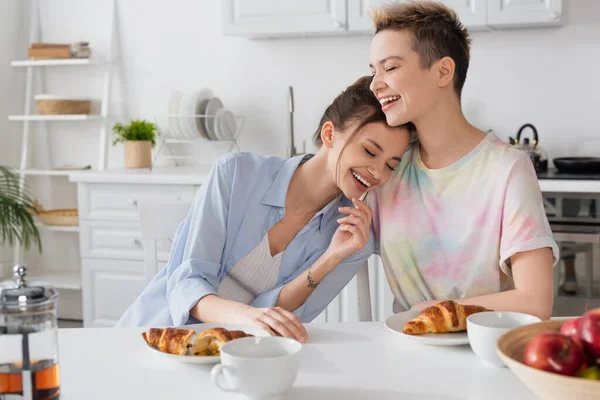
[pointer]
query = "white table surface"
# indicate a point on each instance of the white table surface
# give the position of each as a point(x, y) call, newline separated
point(342, 361)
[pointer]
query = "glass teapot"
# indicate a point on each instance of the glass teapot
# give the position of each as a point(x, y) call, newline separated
point(537, 154)
point(28, 339)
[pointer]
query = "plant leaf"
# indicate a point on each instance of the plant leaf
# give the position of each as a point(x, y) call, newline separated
point(16, 222)
point(136, 130)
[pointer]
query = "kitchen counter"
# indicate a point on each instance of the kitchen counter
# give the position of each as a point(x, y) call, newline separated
point(187, 175)
point(551, 181)
point(554, 181)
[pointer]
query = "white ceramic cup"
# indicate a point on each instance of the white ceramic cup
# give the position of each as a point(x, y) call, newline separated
point(258, 367)
point(484, 329)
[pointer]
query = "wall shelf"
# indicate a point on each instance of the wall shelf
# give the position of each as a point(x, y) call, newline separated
point(78, 117)
point(57, 228)
point(43, 172)
point(34, 164)
point(59, 279)
point(57, 62)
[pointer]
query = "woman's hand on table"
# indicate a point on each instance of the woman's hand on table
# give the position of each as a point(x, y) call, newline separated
point(277, 321)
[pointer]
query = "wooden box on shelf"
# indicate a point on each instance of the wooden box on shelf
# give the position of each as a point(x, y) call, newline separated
point(48, 51)
point(52, 51)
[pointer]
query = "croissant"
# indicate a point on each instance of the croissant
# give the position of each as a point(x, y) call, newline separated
point(152, 337)
point(208, 343)
point(447, 316)
point(169, 340)
point(181, 342)
point(239, 334)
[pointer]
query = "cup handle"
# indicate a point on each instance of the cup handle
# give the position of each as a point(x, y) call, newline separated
point(215, 375)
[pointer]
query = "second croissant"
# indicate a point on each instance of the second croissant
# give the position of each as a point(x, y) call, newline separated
point(447, 316)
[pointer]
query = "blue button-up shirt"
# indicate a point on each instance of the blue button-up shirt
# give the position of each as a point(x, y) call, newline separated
point(243, 198)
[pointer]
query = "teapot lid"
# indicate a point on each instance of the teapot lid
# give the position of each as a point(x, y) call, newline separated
point(20, 295)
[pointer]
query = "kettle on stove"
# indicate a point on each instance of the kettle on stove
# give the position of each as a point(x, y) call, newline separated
point(537, 154)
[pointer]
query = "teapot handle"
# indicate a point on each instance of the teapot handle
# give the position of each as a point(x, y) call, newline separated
point(535, 134)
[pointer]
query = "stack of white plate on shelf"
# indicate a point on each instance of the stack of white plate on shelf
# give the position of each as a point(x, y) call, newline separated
point(199, 115)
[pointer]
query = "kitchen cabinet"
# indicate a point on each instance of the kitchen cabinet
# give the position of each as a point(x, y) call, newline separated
point(112, 254)
point(524, 13)
point(359, 19)
point(109, 287)
point(266, 18)
point(296, 18)
point(472, 13)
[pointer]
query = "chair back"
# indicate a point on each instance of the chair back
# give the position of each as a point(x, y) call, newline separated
point(158, 222)
point(364, 294)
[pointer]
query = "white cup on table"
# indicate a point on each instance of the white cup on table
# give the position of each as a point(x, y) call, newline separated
point(484, 329)
point(258, 367)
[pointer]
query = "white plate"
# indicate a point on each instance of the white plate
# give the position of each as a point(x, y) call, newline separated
point(187, 108)
point(225, 126)
point(194, 103)
point(174, 122)
point(396, 322)
point(204, 95)
point(253, 330)
point(210, 122)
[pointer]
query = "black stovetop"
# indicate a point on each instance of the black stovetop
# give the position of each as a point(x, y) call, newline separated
point(553, 173)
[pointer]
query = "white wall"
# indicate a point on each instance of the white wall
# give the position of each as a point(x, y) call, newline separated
point(12, 37)
point(543, 76)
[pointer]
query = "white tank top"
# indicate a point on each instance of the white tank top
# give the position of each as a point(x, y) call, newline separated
point(255, 273)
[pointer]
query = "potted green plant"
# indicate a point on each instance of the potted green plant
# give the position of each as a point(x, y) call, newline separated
point(139, 137)
point(16, 206)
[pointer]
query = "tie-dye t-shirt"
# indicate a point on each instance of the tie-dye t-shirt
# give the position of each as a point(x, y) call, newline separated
point(449, 233)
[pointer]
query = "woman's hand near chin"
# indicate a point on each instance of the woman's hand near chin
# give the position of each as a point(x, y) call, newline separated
point(354, 231)
point(352, 235)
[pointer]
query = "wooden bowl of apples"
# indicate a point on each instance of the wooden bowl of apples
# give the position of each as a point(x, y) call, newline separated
point(556, 359)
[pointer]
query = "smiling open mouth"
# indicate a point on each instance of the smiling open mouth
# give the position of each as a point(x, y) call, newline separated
point(387, 102)
point(361, 180)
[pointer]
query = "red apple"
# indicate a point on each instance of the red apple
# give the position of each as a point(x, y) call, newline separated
point(589, 333)
point(570, 328)
point(553, 352)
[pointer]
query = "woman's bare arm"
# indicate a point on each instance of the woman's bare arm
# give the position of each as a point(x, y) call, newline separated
point(534, 287)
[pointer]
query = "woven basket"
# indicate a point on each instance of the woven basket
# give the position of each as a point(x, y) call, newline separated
point(63, 106)
point(61, 217)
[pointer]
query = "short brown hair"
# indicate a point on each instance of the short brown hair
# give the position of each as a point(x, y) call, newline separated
point(355, 104)
point(437, 33)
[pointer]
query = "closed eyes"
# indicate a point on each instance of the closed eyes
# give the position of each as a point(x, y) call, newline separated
point(373, 155)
